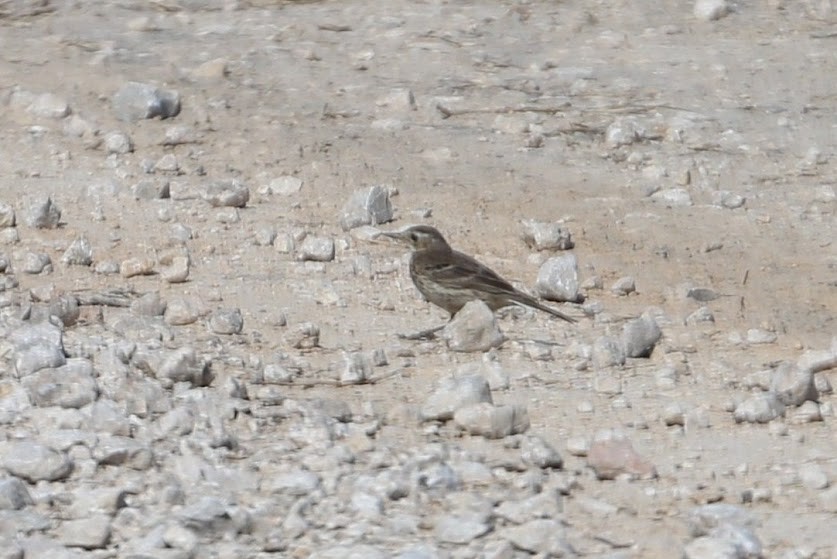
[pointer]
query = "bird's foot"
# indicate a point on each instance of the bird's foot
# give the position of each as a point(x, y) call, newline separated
point(428, 334)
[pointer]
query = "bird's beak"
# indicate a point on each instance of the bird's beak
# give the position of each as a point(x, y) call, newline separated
point(394, 235)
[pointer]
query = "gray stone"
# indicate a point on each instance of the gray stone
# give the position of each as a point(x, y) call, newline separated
point(107, 416)
point(492, 422)
point(296, 483)
point(828, 499)
point(358, 551)
point(180, 537)
point(813, 476)
point(37, 347)
point(181, 311)
point(453, 394)
point(818, 360)
point(131, 267)
point(149, 304)
point(710, 10)
point(808, 412)
point(673, 197)
point(759, 408)
point(183, 365)
point(639, 336)
point(167, 164)
point(498, 378)
point(151, 189)
point(36, 263)
point(758, 336)
point(370, 206)
point(79, 253)
point(226, 321)
point(179, 134)
point(315, 249)
point(34, 462)
point(473, 328)
point(305, 335)
point(542, 536)
point(358, 368)
point(7, 215)
point(707, 547)
point(705, 518)
point(542, 235)
point(608, 352)
point(537, 452)
point(558, 279)
point(41, 546)
point(793, 385)
point(623, 286)
point(286, 185)
point(72, 385)
point(175, 423)
point(13, 494)
point(87, 533)
point(119, 143)
point(49, 105)
point(727, 199)
point(115, 450)
point(227, 193)
point(460, 529)
point(175, 268)
point(136, 101)
point(546, 504)
point(14, 400)
point(209, 516)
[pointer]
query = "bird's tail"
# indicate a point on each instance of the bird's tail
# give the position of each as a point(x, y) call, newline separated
point(535, 304)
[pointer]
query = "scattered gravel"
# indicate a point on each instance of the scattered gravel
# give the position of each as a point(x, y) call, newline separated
point(188, 371)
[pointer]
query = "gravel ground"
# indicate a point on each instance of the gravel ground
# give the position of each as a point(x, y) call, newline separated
point(199, 350)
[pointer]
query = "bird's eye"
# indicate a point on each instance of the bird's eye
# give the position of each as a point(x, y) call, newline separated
point(414, 237)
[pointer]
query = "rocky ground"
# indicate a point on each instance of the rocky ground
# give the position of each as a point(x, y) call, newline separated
point(200, 355)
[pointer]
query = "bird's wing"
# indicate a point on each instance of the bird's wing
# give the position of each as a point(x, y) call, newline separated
point(461, 270)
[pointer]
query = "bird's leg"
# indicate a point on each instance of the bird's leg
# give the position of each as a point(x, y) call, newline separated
point(428, 334)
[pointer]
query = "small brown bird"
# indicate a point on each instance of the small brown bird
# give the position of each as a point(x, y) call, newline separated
point(449, 279)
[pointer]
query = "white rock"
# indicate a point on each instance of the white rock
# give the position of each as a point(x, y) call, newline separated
point(455, 393)
point(558, 279)
point(710, 10)
point(473, 328)
point(492, 422)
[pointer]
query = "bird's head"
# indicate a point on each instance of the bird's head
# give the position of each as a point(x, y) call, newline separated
point(419, 237)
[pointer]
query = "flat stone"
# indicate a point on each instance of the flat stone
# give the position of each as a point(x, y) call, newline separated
point(123, 451)
point(73, 385)
point(34, 462)
point(460, 529)
point(759, 408)
point(542, 536)
point(87, 533)
point(492, 422)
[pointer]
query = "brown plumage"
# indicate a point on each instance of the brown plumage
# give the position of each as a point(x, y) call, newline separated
point(449, 279)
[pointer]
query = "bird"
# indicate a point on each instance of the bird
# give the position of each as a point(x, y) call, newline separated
point(449, 279)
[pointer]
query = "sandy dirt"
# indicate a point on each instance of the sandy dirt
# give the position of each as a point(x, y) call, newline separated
point(619, 99)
